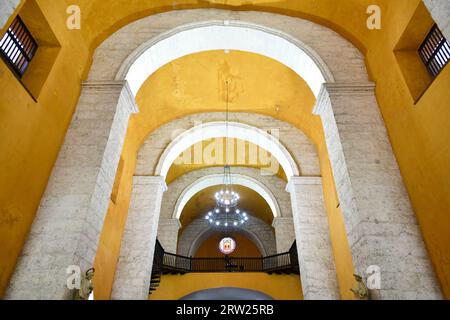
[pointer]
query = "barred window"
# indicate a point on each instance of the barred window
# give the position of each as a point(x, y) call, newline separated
point(435, 51)
point(17, 47)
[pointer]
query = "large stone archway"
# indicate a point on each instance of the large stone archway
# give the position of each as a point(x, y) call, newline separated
point(294, 149)
point(185, 186)
point(198, 231)
point(374, 201)
point(230, 35)
point(319, 280)
point(231, 130)
point(217, 179)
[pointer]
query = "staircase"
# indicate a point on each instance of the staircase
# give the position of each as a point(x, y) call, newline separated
point(157, 268)
point(155, 281)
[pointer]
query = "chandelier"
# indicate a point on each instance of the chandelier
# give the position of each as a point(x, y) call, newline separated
point(227, 198)
point(226, 213)
point(220, 218)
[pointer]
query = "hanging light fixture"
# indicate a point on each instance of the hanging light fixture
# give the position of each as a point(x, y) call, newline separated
point(226, 218)
point(227, 198)
point(226, 213)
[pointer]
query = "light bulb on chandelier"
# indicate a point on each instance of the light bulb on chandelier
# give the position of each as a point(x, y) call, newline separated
point(227, 217)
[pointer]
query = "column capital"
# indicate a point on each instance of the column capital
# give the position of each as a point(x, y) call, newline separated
point(174, 221)
point(279, 221)
point(110, 87)
point(150, 181)
point(296, 181)
point(329, 90)
point(105, 85)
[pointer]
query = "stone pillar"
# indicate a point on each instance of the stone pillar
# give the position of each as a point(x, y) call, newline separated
point(284, 233)
point(7, 8)
point(381, 226)
point(70, 217)
point(315, 255)
point(133, 273)
point(440, 11)
point(168, 234)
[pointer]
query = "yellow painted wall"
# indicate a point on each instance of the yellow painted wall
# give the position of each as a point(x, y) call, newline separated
point(32, 132)
point(420, 135)
point(279, 287)
point(111, 236)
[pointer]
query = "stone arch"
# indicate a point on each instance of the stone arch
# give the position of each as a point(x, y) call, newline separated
point(274, 185)
point(297, 152)
point(218, 35)
point(205, 234)
point(219, 130)
point(114, 56)
point(217, 179)
point(169, 226)
point(199, 230)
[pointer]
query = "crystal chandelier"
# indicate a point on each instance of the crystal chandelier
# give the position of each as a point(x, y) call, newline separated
point(226, 213)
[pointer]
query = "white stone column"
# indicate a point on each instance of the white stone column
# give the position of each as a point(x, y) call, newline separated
point(70, 218)
point(315, 255)
point(380, 223)
point(168, 234)
point(284, 233)
point(133, 272)
point(7, 8)
point(440, 11)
